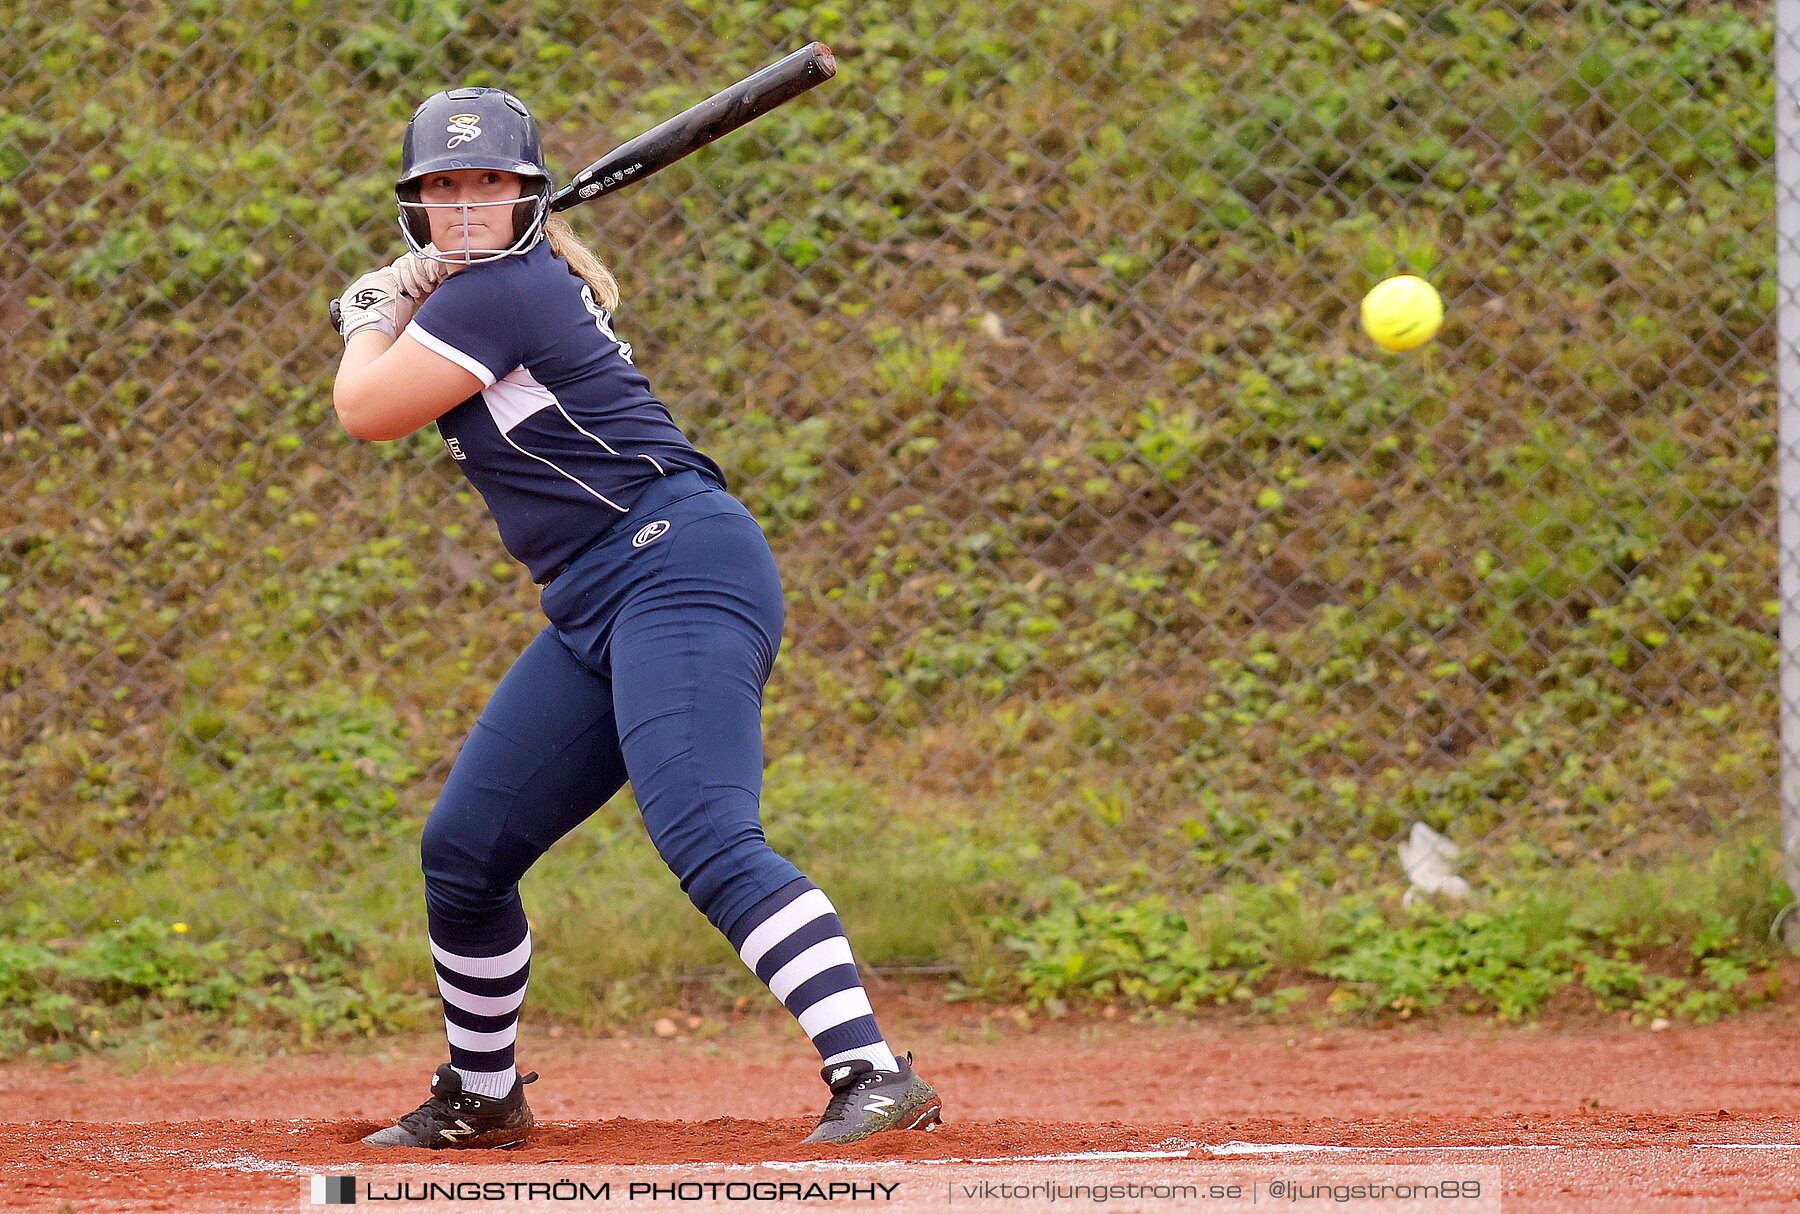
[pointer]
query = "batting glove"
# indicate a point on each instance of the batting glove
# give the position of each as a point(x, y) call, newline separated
point(419, 273)
point(374, 301)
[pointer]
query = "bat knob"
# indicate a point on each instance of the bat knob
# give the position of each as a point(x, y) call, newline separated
point(336, 312)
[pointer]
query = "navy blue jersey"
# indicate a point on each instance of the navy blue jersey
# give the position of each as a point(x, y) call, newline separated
point(564, 435)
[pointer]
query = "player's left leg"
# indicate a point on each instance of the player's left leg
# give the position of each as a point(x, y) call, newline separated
point(689, 656)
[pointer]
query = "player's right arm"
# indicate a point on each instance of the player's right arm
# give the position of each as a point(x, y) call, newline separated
point(388, 384)
point(387, 388)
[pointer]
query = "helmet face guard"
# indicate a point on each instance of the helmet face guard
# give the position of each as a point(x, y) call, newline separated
point(529, 214)
point(472, 128)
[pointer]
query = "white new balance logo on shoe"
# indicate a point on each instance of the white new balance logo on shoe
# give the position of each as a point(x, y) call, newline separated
point(877, 1104)
point(839, 1073)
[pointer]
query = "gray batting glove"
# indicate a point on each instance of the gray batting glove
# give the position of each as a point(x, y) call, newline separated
point(420, 273)
point(373, 301)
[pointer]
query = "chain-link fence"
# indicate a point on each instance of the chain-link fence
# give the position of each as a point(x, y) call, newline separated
point(1114, 551)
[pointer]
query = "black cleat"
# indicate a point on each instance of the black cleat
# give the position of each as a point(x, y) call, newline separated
point(455, 1118)
point(866, 1101)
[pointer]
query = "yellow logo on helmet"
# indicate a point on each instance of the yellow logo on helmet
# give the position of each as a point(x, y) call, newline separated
point(463, 128)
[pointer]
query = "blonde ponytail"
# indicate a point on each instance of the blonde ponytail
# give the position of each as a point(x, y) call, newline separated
point(587, 265)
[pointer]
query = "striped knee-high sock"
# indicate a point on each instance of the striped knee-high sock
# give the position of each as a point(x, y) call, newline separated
point(794, 942)
point(482, 996)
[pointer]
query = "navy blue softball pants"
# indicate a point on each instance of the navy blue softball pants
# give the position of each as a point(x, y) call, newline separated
point(661, 638)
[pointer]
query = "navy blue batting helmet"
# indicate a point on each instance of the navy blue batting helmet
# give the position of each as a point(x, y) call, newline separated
point(473, 128)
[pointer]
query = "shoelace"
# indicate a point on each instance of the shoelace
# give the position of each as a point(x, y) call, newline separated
point(839, 1104)
point(422, 1116)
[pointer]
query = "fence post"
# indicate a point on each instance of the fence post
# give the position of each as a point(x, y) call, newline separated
point(1787, 215)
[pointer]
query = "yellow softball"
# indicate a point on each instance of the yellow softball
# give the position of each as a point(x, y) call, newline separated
point(1402, 312)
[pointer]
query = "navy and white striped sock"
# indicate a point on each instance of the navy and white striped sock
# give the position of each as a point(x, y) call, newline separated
point(795, 943)
point(482, 997)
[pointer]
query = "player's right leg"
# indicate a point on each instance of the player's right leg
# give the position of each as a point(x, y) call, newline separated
point(543, 757)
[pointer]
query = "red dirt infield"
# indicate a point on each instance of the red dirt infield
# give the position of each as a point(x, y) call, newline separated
point(1598, 1117)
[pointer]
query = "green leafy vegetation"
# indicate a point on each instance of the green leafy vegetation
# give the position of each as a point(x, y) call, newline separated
point(1690, 942)
point(1113, 553)
point(134, 978)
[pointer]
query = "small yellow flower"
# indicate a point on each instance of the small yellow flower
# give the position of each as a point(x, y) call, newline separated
point(180, 927)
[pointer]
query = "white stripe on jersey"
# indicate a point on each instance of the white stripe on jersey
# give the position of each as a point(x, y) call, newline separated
point(604, 445)
point(571, 476)
point(517, 397)
point(439, 346)
point(511, 401)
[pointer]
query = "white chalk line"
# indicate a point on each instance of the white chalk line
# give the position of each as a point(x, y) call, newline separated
point(843, 1165)
point(254, 1163)
point(1228, 1149)
point(247, 1163)
point(1204, 1150)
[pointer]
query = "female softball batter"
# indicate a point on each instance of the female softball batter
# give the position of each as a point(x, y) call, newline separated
point(664, 608)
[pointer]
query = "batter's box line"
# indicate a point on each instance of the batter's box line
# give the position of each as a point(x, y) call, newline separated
point(243, 1162)
point(1303, 1148)
point(1226, 1149)
point(804, 1165)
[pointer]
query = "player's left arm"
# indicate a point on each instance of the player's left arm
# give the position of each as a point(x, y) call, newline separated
point(388, 388)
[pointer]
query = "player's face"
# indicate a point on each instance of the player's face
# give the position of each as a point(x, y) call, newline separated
point(466, 208)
